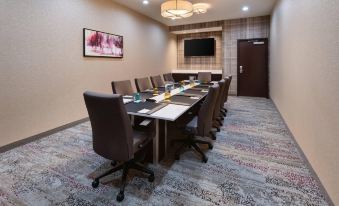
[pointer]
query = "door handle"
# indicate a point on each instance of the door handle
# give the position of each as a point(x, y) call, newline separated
point(241, 70)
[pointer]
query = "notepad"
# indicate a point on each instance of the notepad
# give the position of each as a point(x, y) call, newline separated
point(194, 98)
point(126, 101)
point(146, 122)
point(143, 111)
point(171, 111)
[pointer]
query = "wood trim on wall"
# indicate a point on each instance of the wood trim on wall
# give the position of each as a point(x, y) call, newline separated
point(196, 26)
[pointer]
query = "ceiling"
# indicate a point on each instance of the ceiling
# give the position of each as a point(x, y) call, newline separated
point(219, 10)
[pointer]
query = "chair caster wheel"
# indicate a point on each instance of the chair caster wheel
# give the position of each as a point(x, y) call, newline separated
point(177, 157)
point(151, 178)
point(120, 196)
point(204, 160)
point(95, 183)
point(113, 163)
point(210, 146)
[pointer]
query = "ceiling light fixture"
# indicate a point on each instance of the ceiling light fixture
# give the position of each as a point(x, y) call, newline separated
point(245, 8)
point(179, 9)
point(145, 2)
point(176, 9)
point(200, 8)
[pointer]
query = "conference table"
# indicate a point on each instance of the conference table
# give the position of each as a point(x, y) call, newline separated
point(166, 108)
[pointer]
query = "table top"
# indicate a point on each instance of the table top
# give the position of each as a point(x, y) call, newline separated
point(157, 107)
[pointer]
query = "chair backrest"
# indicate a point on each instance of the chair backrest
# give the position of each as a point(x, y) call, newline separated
point(111, 128)
point(168, 77)
point(142, 84)
point(225, 92)
point(157, 81)
point(122, 87)
point(228, 83)
point(220, 99)
point(205, 76)
point(205, 116)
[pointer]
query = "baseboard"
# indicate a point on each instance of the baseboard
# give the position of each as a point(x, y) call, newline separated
point(322, 188)
point(41, 135)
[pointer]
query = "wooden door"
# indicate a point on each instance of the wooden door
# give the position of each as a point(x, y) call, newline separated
point(253, 68)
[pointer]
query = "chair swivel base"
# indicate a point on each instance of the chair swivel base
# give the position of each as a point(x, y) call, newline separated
point(213, 135)
point(132, 164)
point(190, 142)
point(217, 128)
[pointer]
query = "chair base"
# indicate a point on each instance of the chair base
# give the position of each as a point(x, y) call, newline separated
point(213, 135)
point(131, 164)
point(190, 142)
point(224, 110)
point(217, 128)
point(220, 121)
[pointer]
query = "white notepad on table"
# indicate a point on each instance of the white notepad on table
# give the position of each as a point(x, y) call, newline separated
point(171, 111)
point(143, 111)
point(194, 98)
point(126, 101)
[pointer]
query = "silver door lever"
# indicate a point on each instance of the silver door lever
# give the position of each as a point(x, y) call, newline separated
point(241, 70)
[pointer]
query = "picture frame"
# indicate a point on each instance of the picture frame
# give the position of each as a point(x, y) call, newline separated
point(102, 44)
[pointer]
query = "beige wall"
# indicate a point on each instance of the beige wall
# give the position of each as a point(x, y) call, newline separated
point(304, 80)
point(42, 69)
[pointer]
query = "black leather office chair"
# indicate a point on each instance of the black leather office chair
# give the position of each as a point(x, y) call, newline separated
point(114, 137)
point(205, 76)
point(227, 88)
point(157, 81)
point(142, 84)
point(217, 115)
point(168, 77)
point(122, 87)
point(199, 128)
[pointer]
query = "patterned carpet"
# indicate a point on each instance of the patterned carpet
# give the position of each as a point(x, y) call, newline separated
point(254, 162)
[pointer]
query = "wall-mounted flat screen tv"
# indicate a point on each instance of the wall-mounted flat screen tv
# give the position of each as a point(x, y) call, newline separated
point(199, 47)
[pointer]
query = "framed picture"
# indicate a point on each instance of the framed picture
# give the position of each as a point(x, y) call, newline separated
point(102, 44)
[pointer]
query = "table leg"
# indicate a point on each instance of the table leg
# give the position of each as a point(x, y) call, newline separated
point(132, 120)
point(165, 138)
point(156, 143)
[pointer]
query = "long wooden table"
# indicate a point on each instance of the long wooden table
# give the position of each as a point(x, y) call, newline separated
point(170, 109)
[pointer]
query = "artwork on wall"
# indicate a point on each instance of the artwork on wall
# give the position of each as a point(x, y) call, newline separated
point(102, 44)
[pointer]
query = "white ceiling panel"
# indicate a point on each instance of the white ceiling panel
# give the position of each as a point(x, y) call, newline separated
point(219, 10)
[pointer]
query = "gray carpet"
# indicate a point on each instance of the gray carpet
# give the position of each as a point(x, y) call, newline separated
point(254, 162)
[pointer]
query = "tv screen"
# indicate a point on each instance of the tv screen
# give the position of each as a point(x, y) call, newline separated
point(199, 47)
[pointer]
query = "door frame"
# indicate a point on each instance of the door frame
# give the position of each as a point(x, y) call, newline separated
point(238, 62)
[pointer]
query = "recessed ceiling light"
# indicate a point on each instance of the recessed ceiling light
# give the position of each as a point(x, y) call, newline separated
point(145, 2)
point(245, 8)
